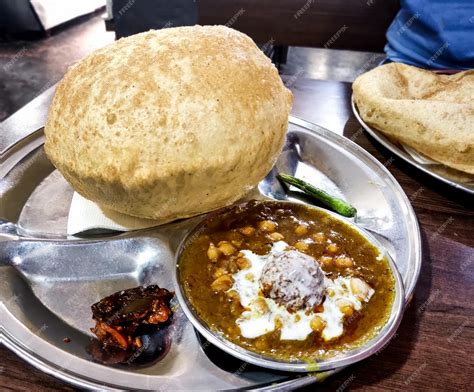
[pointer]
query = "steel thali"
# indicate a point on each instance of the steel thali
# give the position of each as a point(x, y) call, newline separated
point(35, 198)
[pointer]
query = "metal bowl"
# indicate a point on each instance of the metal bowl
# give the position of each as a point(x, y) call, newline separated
point(343, 359)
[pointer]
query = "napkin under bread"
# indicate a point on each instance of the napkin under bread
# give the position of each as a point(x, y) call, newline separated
point(87, 216)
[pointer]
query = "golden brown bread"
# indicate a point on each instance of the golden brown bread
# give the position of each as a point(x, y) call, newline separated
point(168, 124)
point(431, 113)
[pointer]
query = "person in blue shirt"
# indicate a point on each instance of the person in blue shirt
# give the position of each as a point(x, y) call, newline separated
point(433, 34)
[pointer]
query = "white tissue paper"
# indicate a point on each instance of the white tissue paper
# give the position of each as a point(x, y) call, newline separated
point(85, 215)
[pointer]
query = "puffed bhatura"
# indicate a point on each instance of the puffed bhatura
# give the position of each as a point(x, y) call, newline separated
point(169, 124)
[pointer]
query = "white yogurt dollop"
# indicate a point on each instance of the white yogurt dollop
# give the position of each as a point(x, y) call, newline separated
point(295, 325)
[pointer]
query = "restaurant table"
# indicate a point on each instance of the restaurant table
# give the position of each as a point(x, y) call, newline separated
point(433, 348)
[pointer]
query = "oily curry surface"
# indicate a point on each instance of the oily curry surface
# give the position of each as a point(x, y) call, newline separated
point(214, 254)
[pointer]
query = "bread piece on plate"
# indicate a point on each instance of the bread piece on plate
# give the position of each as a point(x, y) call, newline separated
point(429, 112)
point(169, 124)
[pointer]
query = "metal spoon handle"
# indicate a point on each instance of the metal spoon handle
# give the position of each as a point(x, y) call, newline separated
point(8, 231)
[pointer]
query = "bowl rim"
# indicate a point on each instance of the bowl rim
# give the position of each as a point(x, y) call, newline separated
point(368, 348)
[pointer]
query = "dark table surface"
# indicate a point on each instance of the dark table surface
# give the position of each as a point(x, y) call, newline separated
point(433, 348)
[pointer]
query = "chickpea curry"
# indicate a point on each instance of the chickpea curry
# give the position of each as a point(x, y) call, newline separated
point(286, 280)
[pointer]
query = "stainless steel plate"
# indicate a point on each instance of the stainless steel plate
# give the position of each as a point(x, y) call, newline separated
point(36, 198)
point(455, 178)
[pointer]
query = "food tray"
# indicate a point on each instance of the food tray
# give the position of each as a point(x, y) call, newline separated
point(35, 198)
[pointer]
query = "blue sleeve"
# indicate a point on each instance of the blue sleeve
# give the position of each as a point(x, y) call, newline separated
point(433, 34)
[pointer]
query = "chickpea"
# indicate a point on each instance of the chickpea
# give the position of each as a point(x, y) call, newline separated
point(360, 289)
point(300, 245)
point(234, 235)
point(236, 308)
point(261, 344)
point(267, 225)
point(250, 277)
point(278, 322)
point(260, 306)
point(332, 248)
point(344, 262)
point(301, 230)
point(326, 261)
point(219, 272)
point(346, 307)
point(233, 295)
point(222, 283)
point(247, 230)
point(226, 248)
point(317, 324)
point(243, 263)
point(232, 266)
point(233, 330)
point(213, 253)
point(319, 238)
point(203, 238)
point(276, 236)
point(237, 243)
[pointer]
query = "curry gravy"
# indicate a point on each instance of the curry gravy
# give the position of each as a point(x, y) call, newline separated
point(212, 255)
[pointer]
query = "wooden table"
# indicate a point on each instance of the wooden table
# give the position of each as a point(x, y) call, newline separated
point(433, 348)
